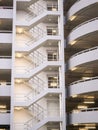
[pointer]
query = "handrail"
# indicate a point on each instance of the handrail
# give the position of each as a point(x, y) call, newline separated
point(39, 56)
point(84, 51)
point(36, 78)
point(35, 6)
point(40, 9)
point(88, 21)
point(36, 106)
point(79, 81)
point(85, 110)
point(40, 33)
point(89, 109)
point(40, 116)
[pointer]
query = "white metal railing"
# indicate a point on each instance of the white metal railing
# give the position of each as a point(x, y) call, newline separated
point(89, 109)
point(85, 110)
point(37, 30)
point(38, 33)
point(88, 21)
point(84, 51)
point(29, 16)
point(36, 9)
point(5, 83)
point(36, 109)
point(38, 58)
point(22, 97)
point(79, 81)
point(41, 116)
point(40, 84)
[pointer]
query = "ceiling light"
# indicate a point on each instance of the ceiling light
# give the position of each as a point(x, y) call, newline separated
point(89, 102)
point(18, 108)
point(83, 129)
point(18, 80)
point(54, 30)
point(55, 77)
point(54, 9)
point(84, 78)
point(73, 68)
point(90, 97)
point(72, 43)
point(90, 127)
point(72, 18)
point(18, 55)
point(73, 96)
point(53, 84)
point(75, 111)
point(75, 124)
point(82, 107)
point(19, 30)
point(2, 106)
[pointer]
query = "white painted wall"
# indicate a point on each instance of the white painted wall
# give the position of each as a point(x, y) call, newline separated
point(22, 65)
point(53, 106)
point(79, 59)
point(21, 91)
point(6, 13)
point(21, 16)
point(84, 29)
point(8, 38)
point(80, 5)
point(5, 63)
point(5, 90)
point(22, 40)
point(83, 117)
point(83, 87)
point(21, 117)
point(4, 118)
point(43, 128)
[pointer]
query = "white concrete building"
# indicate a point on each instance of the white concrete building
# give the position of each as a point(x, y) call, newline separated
point(81, 58)
point(38, 90)
point(32, 92)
